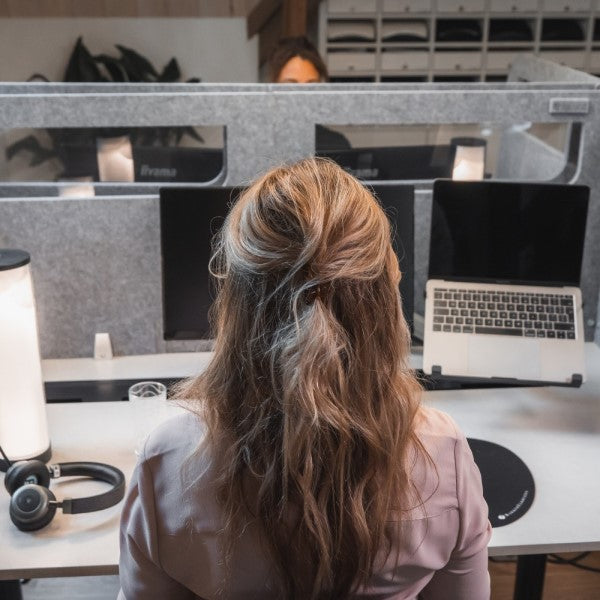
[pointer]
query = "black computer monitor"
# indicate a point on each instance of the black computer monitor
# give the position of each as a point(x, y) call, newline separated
point(396, 163)
point(176, 163)
point(398, 202)
point(190, 217)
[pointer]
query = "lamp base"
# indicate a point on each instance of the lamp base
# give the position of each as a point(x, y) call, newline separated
point(44, 457)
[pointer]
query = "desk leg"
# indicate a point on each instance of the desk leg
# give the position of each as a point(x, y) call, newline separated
point(529, 583)
point(11, 590)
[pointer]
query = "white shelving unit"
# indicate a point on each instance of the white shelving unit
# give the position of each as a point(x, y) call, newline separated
point(454, 40)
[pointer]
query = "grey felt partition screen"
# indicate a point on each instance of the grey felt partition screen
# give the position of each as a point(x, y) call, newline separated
point(96, 261)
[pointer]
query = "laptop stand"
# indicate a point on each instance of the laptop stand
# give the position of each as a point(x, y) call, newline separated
point(437, 377)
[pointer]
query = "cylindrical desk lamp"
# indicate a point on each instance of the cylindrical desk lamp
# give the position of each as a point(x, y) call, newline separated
point(469, 160)
point(23, 424)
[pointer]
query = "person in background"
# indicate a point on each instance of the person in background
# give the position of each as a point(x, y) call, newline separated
point(306, 466)
point(296, 60)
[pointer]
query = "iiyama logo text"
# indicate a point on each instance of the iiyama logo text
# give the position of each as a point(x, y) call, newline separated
point(148, 171)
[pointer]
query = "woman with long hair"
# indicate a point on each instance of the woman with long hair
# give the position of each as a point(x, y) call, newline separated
point(306, 467)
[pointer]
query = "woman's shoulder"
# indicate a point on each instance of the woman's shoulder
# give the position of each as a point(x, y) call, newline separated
point(179, 435)
point(174, 481)
point(176, 464)
point(434, 424)
point(435, 470)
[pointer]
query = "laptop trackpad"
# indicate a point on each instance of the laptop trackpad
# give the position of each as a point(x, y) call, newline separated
point(504, 357)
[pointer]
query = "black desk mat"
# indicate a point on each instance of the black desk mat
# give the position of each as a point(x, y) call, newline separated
point(508, 486)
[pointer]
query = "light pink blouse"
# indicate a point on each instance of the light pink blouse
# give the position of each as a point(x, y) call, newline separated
point(171, 527)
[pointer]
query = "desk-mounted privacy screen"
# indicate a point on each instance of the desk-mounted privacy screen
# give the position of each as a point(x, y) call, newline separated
point(190, 217)
point(151, 154)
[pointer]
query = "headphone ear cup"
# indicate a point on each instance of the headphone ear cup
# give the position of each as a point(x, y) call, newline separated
point(30, 507)
point(26, 472)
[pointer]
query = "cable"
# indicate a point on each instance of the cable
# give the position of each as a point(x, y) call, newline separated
point(554, 559)
point(573, 562)
point(8, 462)
point(503, 559)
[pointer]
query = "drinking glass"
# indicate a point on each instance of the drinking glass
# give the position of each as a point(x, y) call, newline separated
point(149, 406)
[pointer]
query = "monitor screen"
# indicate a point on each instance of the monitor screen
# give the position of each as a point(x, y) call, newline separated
point(396, 163)
point(177, 163)
point(190, 217)
point(398, 202)
point(508, 232)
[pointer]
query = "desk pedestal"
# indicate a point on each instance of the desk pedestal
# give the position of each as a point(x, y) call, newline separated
point(11, 590)
point(529, 583)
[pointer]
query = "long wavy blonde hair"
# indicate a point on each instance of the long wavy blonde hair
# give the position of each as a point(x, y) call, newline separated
point(309, 397)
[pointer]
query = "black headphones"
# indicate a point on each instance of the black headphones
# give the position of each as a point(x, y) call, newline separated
point(33, 505)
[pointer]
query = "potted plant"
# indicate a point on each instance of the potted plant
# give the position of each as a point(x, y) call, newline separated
point(157, 153)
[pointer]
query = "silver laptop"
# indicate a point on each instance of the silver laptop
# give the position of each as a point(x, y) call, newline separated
point(503, 298)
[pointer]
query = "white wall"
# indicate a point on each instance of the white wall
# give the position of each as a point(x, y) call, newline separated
point(216, 50)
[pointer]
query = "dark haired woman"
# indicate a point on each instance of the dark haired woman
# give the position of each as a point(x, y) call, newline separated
point(296, 60)
point(306, 467)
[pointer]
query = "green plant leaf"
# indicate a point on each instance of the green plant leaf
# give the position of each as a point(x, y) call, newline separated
point(171, 72)
point(61, 136)
point(38, 77)
point(113, 66)
point(30, 144)
point(138, 67)
point(82, 66)
point(189, 130)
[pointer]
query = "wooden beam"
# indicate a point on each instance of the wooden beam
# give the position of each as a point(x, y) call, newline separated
point(260, 15)
point(241, 8)
point(294, 17)
point(268, 37)
point(274, 29)
point(118, 8)
point(312, 11)
point(123, 8)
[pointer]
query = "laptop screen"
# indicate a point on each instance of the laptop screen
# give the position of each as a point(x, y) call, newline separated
point(508, 232)
point(189, 218)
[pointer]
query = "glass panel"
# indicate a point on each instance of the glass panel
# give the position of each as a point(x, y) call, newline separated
point(85, 155)
point(529, 151)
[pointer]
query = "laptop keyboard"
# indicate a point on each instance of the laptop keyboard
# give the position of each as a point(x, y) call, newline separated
point(542, 315)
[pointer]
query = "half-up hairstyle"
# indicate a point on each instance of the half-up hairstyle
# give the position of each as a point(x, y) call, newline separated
point(309, 401)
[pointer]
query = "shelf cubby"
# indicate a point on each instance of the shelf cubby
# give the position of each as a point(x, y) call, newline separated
point(397, 40)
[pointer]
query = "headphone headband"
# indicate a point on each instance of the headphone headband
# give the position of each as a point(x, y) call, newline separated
point(100, 471)
point(33, 505)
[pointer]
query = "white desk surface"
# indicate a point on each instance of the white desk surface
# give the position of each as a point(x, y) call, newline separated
point(556, 431)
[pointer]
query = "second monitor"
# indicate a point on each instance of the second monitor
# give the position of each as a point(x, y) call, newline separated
point(396, 163)
point(189, 219)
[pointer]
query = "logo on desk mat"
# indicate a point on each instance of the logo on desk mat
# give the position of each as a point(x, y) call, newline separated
point(516, 507)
